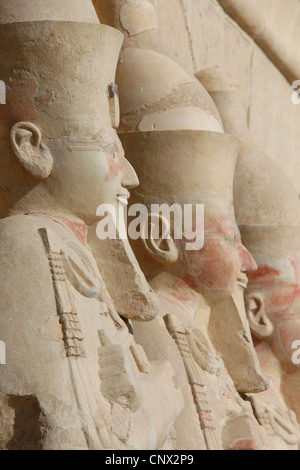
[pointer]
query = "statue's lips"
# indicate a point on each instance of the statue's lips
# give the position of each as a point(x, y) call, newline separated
point(123, 197)
point(243, 281)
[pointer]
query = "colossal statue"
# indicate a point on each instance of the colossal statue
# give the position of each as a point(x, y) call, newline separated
point(173, 135)
point(74, 376)
point(102, 346)
point(201, 291)
point(267, 210)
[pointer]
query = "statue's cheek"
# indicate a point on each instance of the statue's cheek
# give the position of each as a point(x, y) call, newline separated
point(215, 265)
point(283, 297)
point(115, 167)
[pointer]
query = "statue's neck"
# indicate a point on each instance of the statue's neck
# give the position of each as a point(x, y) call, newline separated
point(178, 294)
point(269, 363)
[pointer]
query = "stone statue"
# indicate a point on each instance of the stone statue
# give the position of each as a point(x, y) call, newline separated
point(267, 209)
point(271, 229)
point(107, 347)
point(201, 291)
point(271, 303)
point(74, 376)
point(181, 154)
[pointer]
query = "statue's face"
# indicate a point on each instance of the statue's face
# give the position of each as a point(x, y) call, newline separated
point(90, 172)
point(277, 280)
point(223, 260)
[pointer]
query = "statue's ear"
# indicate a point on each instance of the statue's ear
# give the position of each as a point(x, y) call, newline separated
point(157, 240)
point(259, 323)
point(32, 153)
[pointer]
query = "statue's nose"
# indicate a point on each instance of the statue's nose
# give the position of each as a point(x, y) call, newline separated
point(248, 264)
point(130, 179)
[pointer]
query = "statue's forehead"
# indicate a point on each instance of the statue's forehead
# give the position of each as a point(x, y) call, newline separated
point(220, 225)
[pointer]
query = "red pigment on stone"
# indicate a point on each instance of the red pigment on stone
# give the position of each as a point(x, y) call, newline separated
point(287, 298)
point(246, 444)
point(262, 272)
point(114, 168)
point(181, 298)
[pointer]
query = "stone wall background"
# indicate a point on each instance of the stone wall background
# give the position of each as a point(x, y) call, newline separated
point(201, 34)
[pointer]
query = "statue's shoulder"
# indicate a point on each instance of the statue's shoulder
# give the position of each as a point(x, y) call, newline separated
point(20, 233)
point(23, 257)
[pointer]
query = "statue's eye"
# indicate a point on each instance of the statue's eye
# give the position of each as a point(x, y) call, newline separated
point(111, 151)
point(231, 239)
